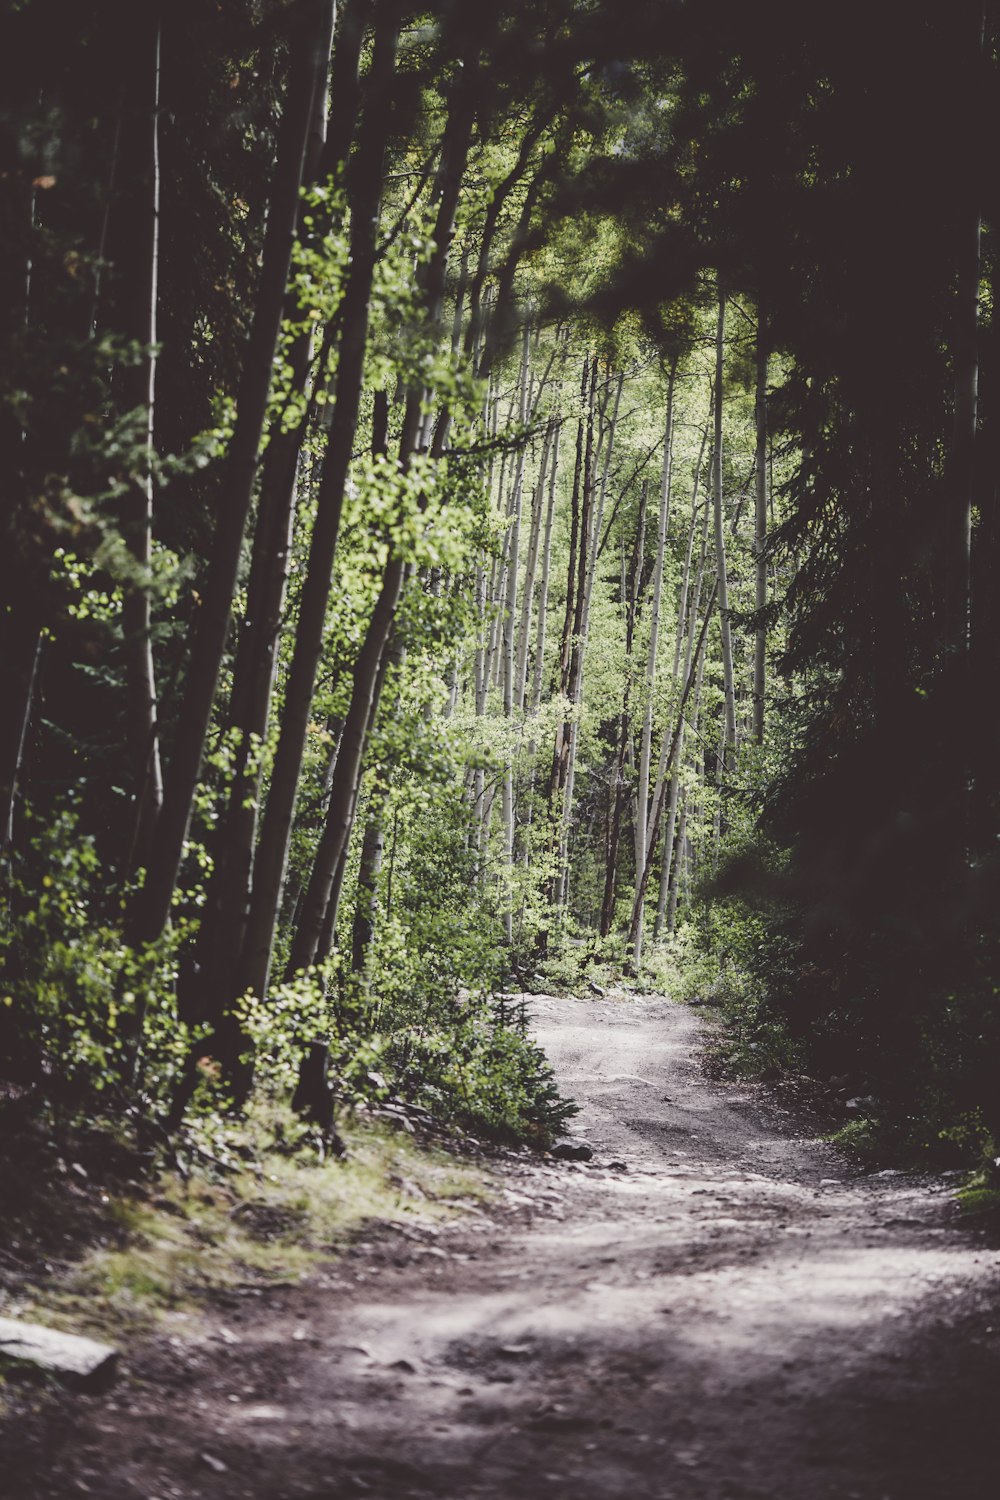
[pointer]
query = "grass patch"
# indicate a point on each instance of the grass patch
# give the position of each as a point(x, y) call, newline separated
point(169, 1247)
point(980, 1200)
point(865, 1140)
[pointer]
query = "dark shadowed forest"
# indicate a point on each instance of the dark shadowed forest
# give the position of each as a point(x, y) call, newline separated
point(497, 501)
point(490, 493)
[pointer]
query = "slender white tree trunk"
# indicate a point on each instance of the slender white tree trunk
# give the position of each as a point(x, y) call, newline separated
point(760, 534)
point(510, 631)
point(729, 732)
point(683, 625)
point(543, 587)
point(530, 569)
point(590, 536)
point(137, 616)
point(646, 740)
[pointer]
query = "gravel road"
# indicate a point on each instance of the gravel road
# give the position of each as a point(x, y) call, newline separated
point(717, 1307)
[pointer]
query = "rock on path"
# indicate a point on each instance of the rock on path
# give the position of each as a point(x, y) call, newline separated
point(738, 1314)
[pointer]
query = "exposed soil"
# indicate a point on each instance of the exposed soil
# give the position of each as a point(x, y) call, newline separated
point(734, 1312)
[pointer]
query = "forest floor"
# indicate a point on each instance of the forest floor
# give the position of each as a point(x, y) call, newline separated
point(735, 1311)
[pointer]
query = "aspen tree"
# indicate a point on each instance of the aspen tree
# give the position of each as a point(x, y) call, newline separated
point(141, 167)
point(646, 738)
point(630, 601)
point(729, 738)
point(369, 669)
point(272, 852)
point(686, 620)
point(760, 534)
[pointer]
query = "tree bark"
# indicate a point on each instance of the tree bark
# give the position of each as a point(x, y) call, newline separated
point(507, 797)
point(646, 742)
point(685, 626)
point(675, 787)
point(630, 599)
point(233, 835)
point(566, 737)
point(372, 850)
point(367, 177)
point(140, 201)
point(760, 535)
point(150, 909)
point(530, 571)
point(959, 730)
point(636, 928)
point(316, 929)
point(22, 642)
point(369, 671)
point(538, 669)
point(720, 546)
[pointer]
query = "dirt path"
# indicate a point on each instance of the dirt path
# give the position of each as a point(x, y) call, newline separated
point(736, 1313)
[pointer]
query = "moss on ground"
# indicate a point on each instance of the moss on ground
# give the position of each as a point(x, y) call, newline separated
point(171, 1247)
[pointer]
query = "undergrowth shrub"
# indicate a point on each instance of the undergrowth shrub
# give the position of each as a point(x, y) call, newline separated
point(904, 1040)
point(481, 1070)
point(89, 1028)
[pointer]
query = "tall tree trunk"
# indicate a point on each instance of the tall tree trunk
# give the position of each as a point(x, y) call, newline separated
point(630, 599)
point(316, 929)
point(233, 835)
point(720, 544)
point(593, 546)
point(151, 908)
point(367, 177)
point(323, 897)
point(510, 631)
point(564, 760)
point(590, 535)
point(760, 534)
point(530, 570)
point(646, 742)
point(538, 669)
point(566, 646)
point(141, 202)
point(684, 624)
point(22, 640)
point(684, 613)
point(372, 850)
point(638, 905)
point(959, 716)
point(23, 584)
point(674, 889)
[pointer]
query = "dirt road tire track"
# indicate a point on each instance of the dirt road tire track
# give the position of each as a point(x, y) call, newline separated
point(738, 1314)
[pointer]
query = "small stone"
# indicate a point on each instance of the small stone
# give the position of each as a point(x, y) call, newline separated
point(572, 1151)
point(215, 1464)
point(81, 1360)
